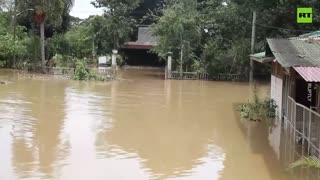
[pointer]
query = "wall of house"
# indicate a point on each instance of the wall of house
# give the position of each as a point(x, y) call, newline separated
point(276, 93)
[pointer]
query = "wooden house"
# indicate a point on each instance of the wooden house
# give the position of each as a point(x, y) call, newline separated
point(295, 86)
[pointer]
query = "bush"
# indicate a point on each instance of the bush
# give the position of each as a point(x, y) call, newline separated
point(82, 73)
point(259, 109)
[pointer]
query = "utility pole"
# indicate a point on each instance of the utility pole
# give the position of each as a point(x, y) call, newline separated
point(253, 37)
point(14, 32)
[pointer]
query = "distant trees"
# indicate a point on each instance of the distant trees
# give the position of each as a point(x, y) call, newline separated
point(179, 31)
point(224, 30)
point(118, 18)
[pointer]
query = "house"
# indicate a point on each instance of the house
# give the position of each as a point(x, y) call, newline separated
point(137, 50)
point(295, 86)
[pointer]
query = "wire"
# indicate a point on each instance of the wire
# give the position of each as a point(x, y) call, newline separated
point(274, 27)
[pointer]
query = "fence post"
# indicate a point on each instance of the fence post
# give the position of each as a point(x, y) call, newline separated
point(169, 66)
point(114, 63)
point(309, 133)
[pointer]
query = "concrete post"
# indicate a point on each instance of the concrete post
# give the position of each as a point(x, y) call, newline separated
point(169, 65)
point(114, 57)
point(114, 63)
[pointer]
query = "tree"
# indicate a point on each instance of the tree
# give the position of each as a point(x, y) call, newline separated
point(47, 11)
point(178, 31)
point(119, 19)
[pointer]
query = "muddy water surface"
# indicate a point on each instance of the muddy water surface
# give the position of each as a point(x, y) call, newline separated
point(137, 128)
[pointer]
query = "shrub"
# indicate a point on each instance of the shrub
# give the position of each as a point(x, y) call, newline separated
point(83, 73)
point(259, 109)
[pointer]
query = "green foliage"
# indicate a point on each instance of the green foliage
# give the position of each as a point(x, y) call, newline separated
point(82, 73)
point(118, 19)
point(7, 45)
point(178, 31)
point(259, 109)
point(310, 162)
point(79, 42)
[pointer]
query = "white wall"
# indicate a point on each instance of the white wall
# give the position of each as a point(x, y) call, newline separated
point(276, 93)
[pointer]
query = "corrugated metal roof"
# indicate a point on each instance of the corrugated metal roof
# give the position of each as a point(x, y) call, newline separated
point(145, 35)
point(146, 40)
point(139, 45)
point(293, 52)
point(261, 57)
point(311, 34)
point(310, 74)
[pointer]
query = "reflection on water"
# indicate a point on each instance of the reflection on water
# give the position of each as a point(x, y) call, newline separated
point(139, 127)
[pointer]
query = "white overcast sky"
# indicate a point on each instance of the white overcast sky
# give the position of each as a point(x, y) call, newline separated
point(83, 9)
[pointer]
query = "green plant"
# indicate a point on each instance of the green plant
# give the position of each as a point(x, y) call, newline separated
point(82, 73)
point(310, 162)
point(259, 109)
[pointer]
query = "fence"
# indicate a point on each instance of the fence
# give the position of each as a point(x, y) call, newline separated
point(60, 71)
point(302, 131)
point(230, 77)
point(188, 75)
point(108, 71)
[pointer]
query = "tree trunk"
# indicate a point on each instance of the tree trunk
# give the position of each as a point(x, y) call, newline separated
point(42, 44)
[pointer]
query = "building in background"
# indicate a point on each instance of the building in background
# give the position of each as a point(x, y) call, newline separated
point(137, 50)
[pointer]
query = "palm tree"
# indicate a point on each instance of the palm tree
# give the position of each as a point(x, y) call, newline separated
point(53, 11)
point(46, 10)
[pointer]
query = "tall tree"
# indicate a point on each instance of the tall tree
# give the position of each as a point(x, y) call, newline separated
point(46, 11)
point(118, 16)
point(178, 30)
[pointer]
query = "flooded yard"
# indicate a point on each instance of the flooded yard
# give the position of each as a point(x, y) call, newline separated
point(139, 127)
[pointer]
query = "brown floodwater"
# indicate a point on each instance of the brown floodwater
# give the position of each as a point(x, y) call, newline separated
point(136, 128)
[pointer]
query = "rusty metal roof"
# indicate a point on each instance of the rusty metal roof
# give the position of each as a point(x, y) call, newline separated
point(310, 74)
point(293, 52)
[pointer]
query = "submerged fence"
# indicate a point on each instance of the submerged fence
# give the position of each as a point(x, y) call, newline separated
point(187, 75)
point(204, 76)
point(302, 137)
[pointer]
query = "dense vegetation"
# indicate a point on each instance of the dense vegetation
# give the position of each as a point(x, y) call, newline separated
point(214, 35)
point(204, 35)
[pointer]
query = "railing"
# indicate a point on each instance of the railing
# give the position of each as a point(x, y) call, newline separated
point(60, 70)
point(188, 76)
point(230, 77)
point(302, 128)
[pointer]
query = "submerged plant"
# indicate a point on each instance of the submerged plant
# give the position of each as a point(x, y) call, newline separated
point(309, 162)
point(82, 73)
point(259, 109)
